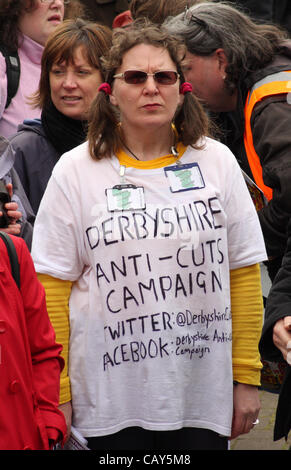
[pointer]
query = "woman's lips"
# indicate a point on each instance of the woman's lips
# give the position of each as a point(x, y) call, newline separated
point(71, 99)
point(151, 106)
point(55, 19)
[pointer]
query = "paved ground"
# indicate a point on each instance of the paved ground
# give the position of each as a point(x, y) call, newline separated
point(261, 436)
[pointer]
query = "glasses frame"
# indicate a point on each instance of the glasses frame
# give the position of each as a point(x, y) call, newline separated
point(65, 2)
point(122, 76)
point(189, 16)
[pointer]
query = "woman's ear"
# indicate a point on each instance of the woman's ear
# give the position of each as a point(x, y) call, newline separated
point(181, 99)
point(222, 61)
point(113, 100)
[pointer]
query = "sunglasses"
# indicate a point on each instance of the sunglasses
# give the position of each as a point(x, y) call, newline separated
point(52, 1)
point(136, 77)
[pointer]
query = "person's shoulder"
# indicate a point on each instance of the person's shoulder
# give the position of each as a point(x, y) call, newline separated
point(31, 144)
point(20, 246)
point(215, 148)
point(74, 160)
point(215, 157)
point(28, 131)
point(75, 155)
point(18, 242)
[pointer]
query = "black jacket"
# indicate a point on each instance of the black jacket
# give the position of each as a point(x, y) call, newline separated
point(35, 158)
point(270, 124)
point(278, 12)
point(278, 306)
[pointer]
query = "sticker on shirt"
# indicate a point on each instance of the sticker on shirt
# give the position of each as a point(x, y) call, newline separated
point(184, 177)
point(125, 197)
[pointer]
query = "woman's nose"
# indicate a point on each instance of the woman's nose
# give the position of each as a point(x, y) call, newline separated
point(69, 81)
point(58, 3)
point(150, 85)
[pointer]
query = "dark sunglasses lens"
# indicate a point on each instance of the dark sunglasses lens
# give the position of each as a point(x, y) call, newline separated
point(134, 77)
point(166, 77)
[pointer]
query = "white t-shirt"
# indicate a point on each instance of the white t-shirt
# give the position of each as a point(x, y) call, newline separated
point(150, 314)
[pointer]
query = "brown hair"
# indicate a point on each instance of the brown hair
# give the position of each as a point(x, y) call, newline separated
point(60, 47)
point(158, 11)
point(75, 9)
point(11, 11)
point(247, 44)
point(104, 133)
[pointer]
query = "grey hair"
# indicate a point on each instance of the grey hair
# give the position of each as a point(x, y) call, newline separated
point(208, 26)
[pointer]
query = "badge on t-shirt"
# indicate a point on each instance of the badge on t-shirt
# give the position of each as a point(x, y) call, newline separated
point(184, 177)
point(124, 197)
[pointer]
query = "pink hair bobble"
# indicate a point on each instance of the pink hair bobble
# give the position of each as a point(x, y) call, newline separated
point(106, 88)
point(185, 88)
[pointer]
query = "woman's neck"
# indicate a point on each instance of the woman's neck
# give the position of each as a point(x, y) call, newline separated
point(149, 145)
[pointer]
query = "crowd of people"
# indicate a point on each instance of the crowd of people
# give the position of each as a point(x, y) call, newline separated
point(144, 162)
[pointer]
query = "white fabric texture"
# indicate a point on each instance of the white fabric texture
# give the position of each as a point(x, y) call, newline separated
point(150, 313)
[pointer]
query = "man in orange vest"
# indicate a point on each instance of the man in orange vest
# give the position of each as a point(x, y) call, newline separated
point(241, 71)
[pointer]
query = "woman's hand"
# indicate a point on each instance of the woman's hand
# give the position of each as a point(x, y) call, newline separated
point(282, 337)
point(14, 215)
point(246, 407)
point(66, 409)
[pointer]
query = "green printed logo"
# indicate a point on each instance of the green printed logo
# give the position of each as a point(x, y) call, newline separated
point(122, 197)
point(185, 178)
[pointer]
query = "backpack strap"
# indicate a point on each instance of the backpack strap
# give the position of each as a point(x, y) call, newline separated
point(12, 256)
point(12, 72)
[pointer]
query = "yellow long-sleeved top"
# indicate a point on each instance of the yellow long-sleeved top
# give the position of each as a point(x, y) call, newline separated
point(247, 319)
point(57, 300)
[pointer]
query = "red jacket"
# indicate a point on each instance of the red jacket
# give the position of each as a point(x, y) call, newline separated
point(30, 363)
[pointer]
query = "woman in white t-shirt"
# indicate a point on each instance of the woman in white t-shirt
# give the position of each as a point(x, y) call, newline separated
point(149, 246)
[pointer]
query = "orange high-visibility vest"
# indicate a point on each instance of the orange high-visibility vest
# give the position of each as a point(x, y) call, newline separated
point(274, 84)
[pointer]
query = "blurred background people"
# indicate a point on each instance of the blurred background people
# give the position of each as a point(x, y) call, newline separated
point(70, 77)
point(268, 11)
point(104, 11)
point(154, 11)
point(74, 9)
point(158, 11)
point(24, 28)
